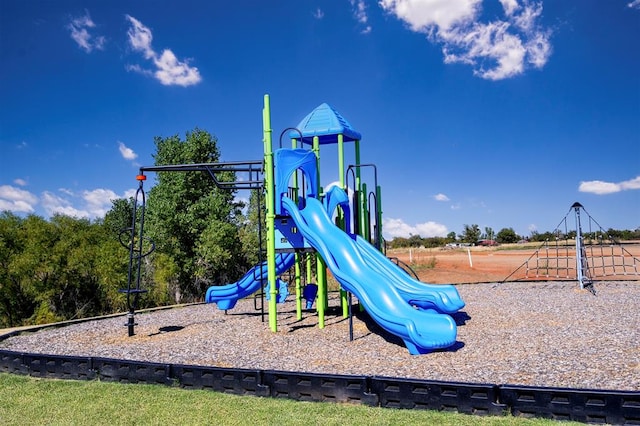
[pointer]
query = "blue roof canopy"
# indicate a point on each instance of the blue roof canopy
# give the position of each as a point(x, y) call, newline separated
point(325, 123)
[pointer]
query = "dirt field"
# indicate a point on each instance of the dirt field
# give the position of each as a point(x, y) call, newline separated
point(495, 264)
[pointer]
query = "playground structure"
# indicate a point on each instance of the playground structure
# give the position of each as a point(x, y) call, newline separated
point(585, 256)
point(304, 220)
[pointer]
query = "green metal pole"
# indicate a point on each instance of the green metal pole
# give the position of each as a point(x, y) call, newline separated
point(298, 287)
point(321, 267)
point(344, 302)
point(309, 271)
point(379, 217)
point(270, 197)
point(297, 255)
point(358, 190)
point(366, 232)
point(358, 208)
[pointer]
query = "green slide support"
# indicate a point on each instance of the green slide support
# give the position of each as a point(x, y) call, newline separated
point(270, 198)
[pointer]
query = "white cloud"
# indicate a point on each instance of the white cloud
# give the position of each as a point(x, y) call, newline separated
point(360, 13)
point(99, 201)
point(17, 200)
point(440, 197)
point(80, 33)
point(599, 187)
point(496, 50)
point(89, 204)
point(392, 228)
point(635, 4)
point(129, 193)
point(126, 152)
point(169, 70)
point(20, 182)
point(137, 68)
point(424, 15)
point(140, 37)
point(509, 6)
point(318, 14)
point(54, 204)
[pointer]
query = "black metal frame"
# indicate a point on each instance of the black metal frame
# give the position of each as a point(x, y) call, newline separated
point(251, 167)
point(136, 241)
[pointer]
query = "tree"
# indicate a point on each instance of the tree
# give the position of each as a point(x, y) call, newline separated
point(49, 269)
point(506, 236)
point(488, 233)
point(253, 230)
point(16, 297)
point(470, 234)
point(75, 289)
point(118, 218)
point(192, 221)
point(30, 272)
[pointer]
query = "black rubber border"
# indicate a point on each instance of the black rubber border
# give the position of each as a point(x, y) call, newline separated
point(583, 405)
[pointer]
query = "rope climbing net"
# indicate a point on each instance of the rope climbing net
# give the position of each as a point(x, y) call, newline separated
point(574, 254)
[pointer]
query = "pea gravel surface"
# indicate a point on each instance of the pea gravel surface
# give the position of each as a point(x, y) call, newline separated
point(550, 334)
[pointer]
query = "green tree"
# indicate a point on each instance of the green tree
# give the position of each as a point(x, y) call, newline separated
point(253, 230)
point(49, 269)
point(31, 270)
point(192, 221)
point(16, 296)
point(470, 234)
point(506, 236)
point(489, 234)
point(399, 242)
point(118, 218)
point(75, 290)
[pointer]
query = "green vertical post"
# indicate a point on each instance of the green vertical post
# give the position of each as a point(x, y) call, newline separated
point(321, 267)
point(364, 213)
point(358, 189)
point(298, 279)
point(270, 198)
point(358, 208)
point(379, 218)
point(308, 262)
point(344, 302)
point(297, 255)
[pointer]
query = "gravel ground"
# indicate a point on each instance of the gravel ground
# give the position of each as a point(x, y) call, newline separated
point(537, 334)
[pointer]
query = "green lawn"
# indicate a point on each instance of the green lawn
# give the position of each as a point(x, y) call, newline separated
point(31, 401)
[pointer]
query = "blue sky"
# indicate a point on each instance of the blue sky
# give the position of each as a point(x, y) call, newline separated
point(499, 113)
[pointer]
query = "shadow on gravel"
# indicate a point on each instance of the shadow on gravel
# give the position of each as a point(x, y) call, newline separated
point(167, 329)
point(460, 318)
point(373, 327)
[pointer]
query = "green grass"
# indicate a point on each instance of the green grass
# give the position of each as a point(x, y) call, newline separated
point(27, 400)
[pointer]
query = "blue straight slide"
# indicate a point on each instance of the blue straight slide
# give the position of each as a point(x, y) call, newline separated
point(226, 296)
point(421, 330)
point(442, 298)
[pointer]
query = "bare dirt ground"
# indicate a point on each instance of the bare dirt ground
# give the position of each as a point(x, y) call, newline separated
point(495, 264)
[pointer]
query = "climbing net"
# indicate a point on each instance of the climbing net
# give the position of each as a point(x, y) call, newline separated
point(573, 254)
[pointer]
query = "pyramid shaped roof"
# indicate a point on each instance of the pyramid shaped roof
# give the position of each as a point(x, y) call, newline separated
point(326, 123)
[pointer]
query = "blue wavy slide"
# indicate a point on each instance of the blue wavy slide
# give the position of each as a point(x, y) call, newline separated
point(226, 296)
point(438, 298)
point(421, 330)
point(442, 298)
